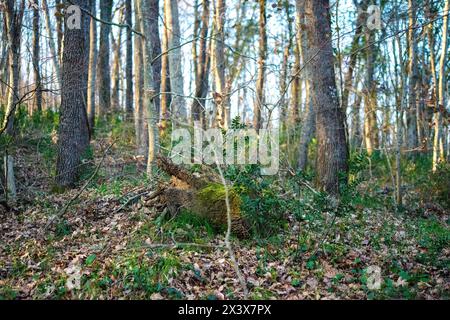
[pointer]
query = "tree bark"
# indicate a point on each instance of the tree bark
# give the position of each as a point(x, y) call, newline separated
point(104, 70)
point(332, 151)
point(36, 59)
point(92, 73)
point(73, 134)
point(13, 19)
point(411, 112)
point(202, 70)
point(262, 53)
point(51, 42)
point(438, 144)
point(146, 14)
point(178, 112)
point(129, 60)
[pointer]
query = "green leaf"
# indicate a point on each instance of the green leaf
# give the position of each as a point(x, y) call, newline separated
point(90, 259)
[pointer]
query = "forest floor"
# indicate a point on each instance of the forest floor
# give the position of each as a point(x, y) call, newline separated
point(110, 244)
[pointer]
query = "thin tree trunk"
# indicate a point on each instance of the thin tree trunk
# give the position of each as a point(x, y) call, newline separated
point(165, 81)
point(262, 53)
point(149, 86)
point(178, 111)
point(129, 60)
point(411, 115)
point(371, 134)
point(104, 70)
point(51, 42)
point(219, 64)
point(438, 145)
point(13, 19)
point(36, 59)
point(92, 73)
point(139, 112)
point(202, 71)
point(115, 74)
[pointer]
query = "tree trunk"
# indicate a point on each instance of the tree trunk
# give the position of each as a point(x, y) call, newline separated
point(129, 61)
point(411, 112)
point(371, 135)
point(93, 56)
point(438, 145)
point(165, 81)
point(36, 59)
point(139, 112)
point(115, 74)
point(51, 42)
point(13, 19)
point(332, 151)
point(309, 117)
point(178, 112)
point(73, 138)
point(259, 103)
point(202, 70)
point(104, 71)
point(146, 14)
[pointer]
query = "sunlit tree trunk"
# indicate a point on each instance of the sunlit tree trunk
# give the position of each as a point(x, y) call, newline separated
point(92, 73)
point(147, 27)
point(438, 145)
point(262, 56)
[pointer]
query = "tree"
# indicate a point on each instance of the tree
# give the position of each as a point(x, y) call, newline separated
point(51, 41)
point(145, 13)
point(438, 145)
point(202, 69)
point(93, 57)
point(332, 151)
point(104, 71)
point(13, 24)
point(172, 24)
point(139, 112)
point(309, 117)
point(371, 134)
point(73, 133)
point(411, 115)
point(129, 60)
point(218, 56)
point(36, 58)
point(262, 52)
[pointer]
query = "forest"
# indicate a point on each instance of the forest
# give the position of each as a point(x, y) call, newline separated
point(224, 150)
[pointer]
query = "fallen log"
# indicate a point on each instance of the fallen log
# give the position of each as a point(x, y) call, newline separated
point(201, 193)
